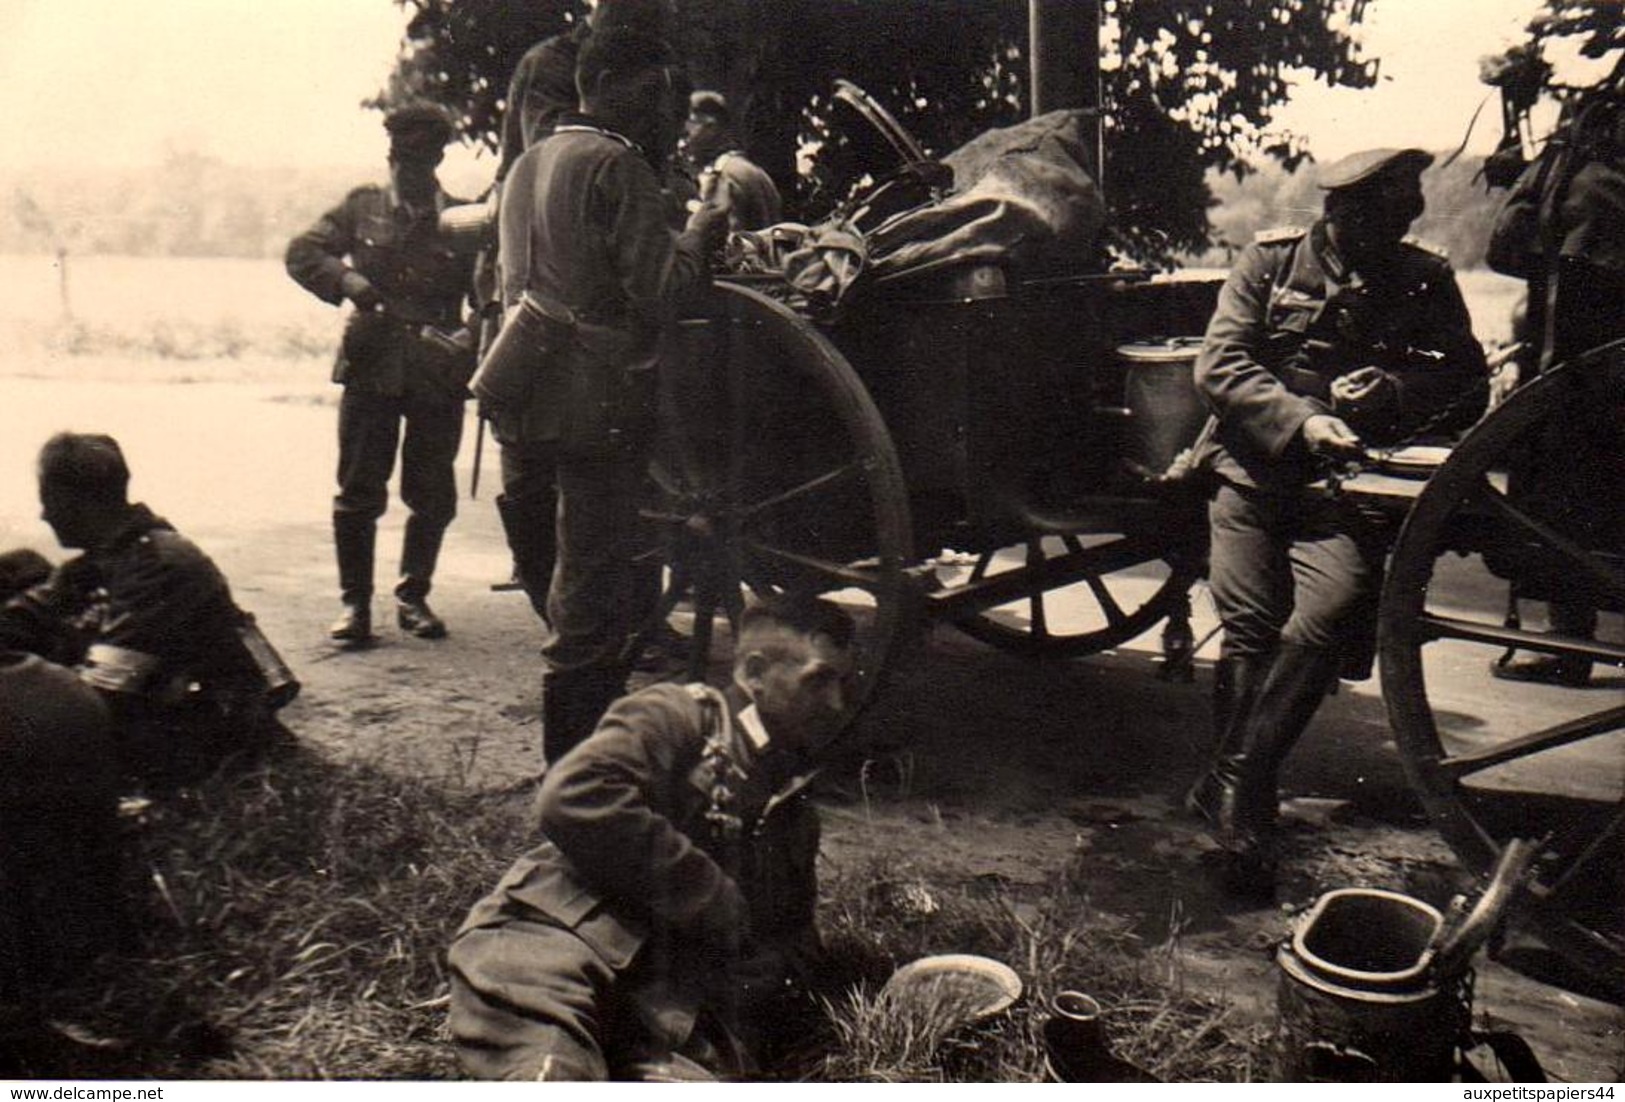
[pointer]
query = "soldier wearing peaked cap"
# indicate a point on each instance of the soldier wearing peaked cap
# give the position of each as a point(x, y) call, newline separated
point(1325, 341)
point(404, 364)
point(418, 131)
point(724, 176)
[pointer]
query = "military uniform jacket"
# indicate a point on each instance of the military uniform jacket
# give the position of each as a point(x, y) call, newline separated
point(735, 183)
point(1292, 316)
point(667, 829)
point(422, 279)
point(144, 615)
point(584, 227)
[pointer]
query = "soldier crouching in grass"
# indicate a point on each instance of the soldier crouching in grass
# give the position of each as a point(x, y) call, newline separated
point(59, 846)
point(662, 925)
point(147, 619)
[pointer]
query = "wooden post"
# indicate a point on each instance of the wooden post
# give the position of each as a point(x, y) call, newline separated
point(62, 281)
point(1063, 48)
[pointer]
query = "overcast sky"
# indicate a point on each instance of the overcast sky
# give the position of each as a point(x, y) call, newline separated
point(279, 82)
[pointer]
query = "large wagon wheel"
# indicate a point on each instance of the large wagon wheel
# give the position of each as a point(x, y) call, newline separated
point(1484, 755)
point(775, 473)
point(1078, 593)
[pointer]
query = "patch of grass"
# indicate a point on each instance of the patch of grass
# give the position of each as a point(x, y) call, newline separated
point(165, 339)
point(1055, 941)
point(292, 923)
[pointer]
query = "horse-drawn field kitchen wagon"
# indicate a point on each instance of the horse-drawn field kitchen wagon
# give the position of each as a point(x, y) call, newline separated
point(945, 403)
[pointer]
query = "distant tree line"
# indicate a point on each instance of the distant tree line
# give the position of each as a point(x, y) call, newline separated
point(197, 206)
point(190, 205)
point(1459, 209)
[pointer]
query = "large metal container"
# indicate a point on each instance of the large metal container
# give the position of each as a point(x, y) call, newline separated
point(1165, 412)
point(1360, 998)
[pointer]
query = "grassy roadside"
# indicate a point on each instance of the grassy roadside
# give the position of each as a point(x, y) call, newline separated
point(292, 923)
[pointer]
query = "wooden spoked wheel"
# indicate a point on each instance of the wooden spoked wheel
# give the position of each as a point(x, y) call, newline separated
point(1534, 495)
point(1075, 594)
point(774, 473)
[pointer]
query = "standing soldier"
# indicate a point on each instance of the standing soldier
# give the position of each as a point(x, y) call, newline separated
point(724, 176)
point(405, 359)
point(1324, 341)
point(541, 91)
point(1562, 228)
point(585, 242)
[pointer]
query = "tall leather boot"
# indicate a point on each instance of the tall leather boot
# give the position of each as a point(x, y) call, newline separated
point(1578, 621)
point(354, 538)
point(1298, 681)
point(572, 704)
point(420, 550)
point(1236, 682)
point(529, 524)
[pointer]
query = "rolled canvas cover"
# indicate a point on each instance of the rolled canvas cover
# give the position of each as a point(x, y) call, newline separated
point(1022, 196)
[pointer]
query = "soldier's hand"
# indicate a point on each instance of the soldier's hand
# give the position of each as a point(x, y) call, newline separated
point(1364, 386)
point(1504, 379)
point(70, 585)
point(710, 224)
point(1329, 436)
point(359, 290)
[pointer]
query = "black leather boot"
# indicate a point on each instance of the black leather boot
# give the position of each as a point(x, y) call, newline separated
point(572, 704)
point(1298, 680)
point(1571, 671)
point(1236, 682)
point(353, 541)
point(420, 550)
point(528, 524)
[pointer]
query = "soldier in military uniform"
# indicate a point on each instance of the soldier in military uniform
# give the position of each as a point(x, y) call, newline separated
point(1325, 341)
point(404, 364)
point(541, 92)
point(146, 618)
point(58, 816)
point(585, 240)
point(1571, 249)
point(724, 175)
point(658, 931)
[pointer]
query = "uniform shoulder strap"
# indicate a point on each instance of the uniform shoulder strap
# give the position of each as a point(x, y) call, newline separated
point(1434, 250)
point(1279, 235)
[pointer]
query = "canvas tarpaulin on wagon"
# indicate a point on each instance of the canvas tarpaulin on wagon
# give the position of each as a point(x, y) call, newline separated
point(1022, 197)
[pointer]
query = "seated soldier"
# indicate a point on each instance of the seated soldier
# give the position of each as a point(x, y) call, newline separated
point(147, 619)
point(58, 817)
point(668, 915)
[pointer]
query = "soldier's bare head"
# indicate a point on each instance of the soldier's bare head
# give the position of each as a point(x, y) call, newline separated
point(83, 485)
point(627, 79)
point(793, 659)
point(649, 16)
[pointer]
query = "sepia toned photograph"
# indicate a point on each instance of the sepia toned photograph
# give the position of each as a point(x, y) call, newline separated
point(813, 541)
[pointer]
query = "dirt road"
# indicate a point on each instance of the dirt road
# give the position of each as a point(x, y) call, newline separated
point(985, 765)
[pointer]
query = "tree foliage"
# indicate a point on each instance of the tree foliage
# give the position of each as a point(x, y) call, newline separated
point(1592, 29)
point(1188, 85)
